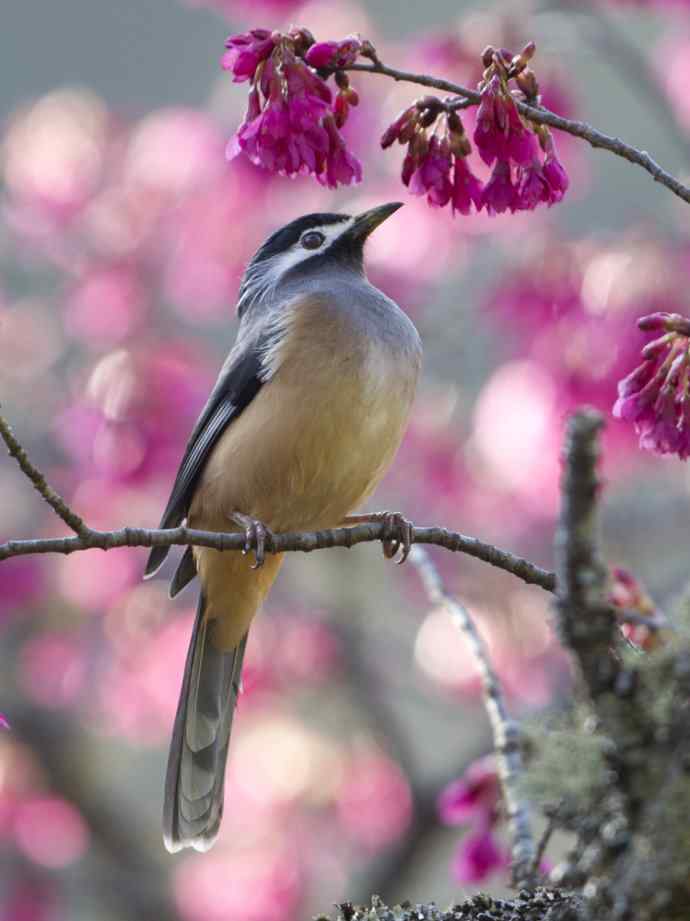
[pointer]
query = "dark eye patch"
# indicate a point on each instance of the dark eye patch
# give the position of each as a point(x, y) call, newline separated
point(312, 239)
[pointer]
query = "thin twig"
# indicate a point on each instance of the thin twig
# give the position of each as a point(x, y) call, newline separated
point(303, 542)
point(506, 732)
point(541, 116)
point(552, 818)
point(54, 499)
point(587, 623)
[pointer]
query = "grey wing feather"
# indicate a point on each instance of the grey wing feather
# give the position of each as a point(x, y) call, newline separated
point(237, 385)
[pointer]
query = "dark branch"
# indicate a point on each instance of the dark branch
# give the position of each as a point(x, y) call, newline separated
point(89, 539)
point(541, 116)
point(586, 621)
point(303, 542)
point(506, 732)
point(54, 500)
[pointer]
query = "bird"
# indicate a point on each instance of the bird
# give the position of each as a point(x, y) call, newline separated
point(306, 416)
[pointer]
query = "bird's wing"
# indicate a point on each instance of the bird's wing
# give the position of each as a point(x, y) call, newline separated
point(237, 385)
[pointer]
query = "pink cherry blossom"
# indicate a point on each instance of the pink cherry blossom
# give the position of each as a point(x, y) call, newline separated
point(474, 799)
point(401, 128)
point(500, 133)
point(499, 192)
point(656, 395)
point(467, 189)
point(474, 796)
point(245, 52)
point(554, 171)
point(291, 126)
point(478, 856)
point(432, 174)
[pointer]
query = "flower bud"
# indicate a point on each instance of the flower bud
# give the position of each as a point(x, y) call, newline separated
point(653, 396)
point(454, 122)
point(520, 61)
point(303, 40)
point(460, 145)
point(652, 350)
point(409, 131)
point(670, 322)
point(367, 50)
point(334, 55)
point(528, 51)
point(527, 82)
point(342, 80)
point(419, 145)
point(428, 102)
point(340, 109)
point(401, 129)
point(408, 168)
point(428, 117)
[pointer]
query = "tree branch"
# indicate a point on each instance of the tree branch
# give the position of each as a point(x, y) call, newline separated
point(541, 116)
point(89, 539)
point(506, 732)
point(54, 499)
point(586, 621)
point(302, 542)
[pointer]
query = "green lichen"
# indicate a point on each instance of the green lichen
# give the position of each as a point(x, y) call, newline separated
point(565, 762)
point(528, 905)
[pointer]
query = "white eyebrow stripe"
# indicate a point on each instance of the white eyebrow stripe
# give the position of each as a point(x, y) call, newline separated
point(330, 231)
point(283, 262)
point(263, 277)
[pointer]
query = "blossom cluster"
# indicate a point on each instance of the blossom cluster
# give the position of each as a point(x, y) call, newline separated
point(292, 124)
point(656, 395)
point(526, 170)
point(436, 165)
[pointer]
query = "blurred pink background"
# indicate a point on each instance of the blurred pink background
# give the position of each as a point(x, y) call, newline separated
point(123, 235)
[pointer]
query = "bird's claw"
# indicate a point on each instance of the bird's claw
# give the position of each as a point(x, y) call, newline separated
point(397, 536)
point(256, 534)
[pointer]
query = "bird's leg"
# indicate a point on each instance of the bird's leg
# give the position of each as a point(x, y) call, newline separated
point(397, 534)
point(255, 534)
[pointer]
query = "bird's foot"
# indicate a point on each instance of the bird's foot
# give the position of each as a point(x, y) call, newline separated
point(397, 532)
point(255, 536)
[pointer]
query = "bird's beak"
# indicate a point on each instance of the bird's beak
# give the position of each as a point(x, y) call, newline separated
point(370, 220)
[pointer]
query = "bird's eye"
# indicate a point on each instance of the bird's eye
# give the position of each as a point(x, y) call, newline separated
point(312, 240)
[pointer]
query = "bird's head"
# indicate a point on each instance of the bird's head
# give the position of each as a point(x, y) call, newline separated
point(309, 244)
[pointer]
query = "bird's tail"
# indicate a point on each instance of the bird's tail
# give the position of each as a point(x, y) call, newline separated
point(195, 777)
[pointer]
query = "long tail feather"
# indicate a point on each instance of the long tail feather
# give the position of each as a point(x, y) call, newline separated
point(195, 777)
point(185, 572)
